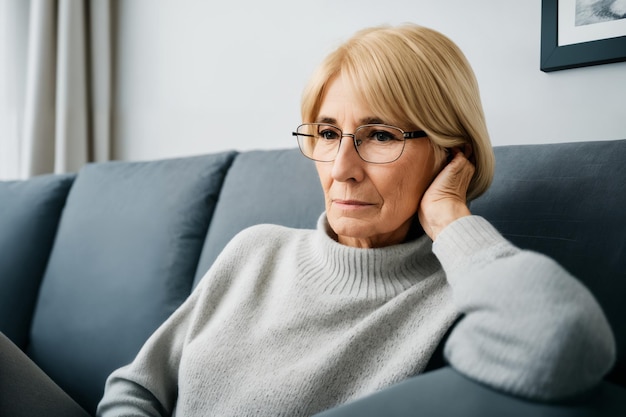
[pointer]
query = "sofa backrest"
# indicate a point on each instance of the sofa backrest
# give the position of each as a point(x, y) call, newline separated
point(124, 259)
point(277, 187)
point(29, 217)
point(568, 201)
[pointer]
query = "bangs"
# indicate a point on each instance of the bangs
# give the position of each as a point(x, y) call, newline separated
point(372, 74)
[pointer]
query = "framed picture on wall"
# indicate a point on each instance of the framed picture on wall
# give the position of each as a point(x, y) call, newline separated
point(579, 33)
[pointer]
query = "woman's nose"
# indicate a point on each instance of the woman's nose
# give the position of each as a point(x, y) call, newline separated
point(347, 165)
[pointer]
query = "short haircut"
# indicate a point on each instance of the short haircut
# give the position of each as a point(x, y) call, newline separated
point(415, 78)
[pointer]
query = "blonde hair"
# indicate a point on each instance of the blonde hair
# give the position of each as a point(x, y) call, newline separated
point(415, 78)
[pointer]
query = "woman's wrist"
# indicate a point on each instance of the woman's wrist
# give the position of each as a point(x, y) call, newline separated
point(435, 224)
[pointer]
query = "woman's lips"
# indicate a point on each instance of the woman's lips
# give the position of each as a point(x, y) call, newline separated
point(352, 204)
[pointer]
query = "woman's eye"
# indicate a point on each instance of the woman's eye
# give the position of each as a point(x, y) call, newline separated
point(382, 136)
point(328, 134)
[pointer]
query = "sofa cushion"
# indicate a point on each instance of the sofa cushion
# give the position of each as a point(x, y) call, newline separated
point(125, 257)
point(447, 393)
point(568, 201)
point(29, 216)
point(277, 187)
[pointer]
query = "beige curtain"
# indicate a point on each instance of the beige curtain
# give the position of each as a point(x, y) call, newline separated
point(67, 104)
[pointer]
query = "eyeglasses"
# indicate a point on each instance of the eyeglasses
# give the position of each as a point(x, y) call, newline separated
point(375, 143)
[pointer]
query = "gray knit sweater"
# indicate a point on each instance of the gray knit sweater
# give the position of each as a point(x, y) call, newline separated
point(289, 323)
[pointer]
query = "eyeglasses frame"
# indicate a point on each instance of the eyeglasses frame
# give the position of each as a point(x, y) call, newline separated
point(415, 134)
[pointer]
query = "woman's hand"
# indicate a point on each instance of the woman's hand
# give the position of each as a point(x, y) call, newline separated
point(446, 199)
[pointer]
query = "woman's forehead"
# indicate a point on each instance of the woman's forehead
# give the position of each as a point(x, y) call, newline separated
point(341, 100)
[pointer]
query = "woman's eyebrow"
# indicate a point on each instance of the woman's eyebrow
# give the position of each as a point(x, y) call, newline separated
point(363, 121)
point(324, 119)
point(371, 121)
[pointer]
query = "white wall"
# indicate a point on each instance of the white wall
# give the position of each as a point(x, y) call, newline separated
point(195, 77)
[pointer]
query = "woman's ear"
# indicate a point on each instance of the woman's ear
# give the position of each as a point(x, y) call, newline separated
point(468, 151)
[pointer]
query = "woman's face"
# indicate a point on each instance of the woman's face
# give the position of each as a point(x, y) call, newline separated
point(370, 205)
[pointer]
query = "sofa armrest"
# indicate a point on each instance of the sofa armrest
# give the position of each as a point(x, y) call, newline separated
point(445, 392)
point(26, 391)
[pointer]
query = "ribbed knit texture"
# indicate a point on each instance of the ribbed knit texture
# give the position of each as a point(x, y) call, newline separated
point(289, 323)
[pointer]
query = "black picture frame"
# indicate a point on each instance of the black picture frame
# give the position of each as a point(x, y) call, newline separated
point(555, 57)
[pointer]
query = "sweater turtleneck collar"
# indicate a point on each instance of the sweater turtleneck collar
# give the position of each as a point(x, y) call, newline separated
point(380, 273)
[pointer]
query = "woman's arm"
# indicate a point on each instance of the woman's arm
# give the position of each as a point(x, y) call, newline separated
point(148, 386)
point(529, 328)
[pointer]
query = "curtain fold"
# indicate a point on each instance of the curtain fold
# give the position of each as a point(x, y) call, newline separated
point(101, 58)
point(37, 144)
point(13, 35)
point(67, 107)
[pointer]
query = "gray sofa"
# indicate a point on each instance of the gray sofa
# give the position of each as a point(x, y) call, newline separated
point(92, 263)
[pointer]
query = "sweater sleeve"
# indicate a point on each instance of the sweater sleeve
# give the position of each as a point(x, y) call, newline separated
point(529, 328)
point(148, 386)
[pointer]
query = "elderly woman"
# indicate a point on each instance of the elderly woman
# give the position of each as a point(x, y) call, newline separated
point(292, 322)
